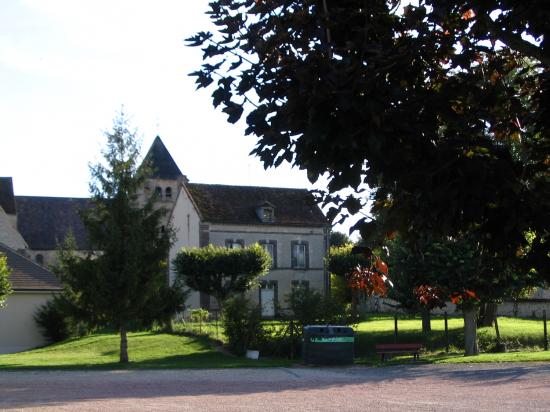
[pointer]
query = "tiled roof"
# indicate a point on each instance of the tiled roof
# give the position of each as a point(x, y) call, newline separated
point(27, 275)
point(44, 222)
point(6, 195)
point(238, 204)
point(161, 162)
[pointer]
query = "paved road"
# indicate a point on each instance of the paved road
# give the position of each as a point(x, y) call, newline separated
point(504, 387)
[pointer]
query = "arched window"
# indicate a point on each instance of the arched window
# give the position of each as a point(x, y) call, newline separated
point(168, 193)
point(39, 259)
point(158, 192)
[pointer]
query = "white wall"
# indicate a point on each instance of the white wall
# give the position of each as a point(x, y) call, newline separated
point(186, 221)
point(284, 274)
point(284, 235)
point(18, 331)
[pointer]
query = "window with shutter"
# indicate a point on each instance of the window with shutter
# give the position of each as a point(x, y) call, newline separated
point(234, 244)
point(271, 247)
point(299, 255)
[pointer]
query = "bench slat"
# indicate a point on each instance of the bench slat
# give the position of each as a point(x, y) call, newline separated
point(398, 348)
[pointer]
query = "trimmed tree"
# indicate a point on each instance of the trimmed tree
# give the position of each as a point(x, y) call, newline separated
point(219, 271)
point(362, 271)
point(338, 239)
point(125, 281)
point(407, 274)
point(5, 286)
point(459, 270)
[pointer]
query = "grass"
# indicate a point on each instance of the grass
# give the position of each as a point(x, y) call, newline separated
point(523, 337)
point(146, 351)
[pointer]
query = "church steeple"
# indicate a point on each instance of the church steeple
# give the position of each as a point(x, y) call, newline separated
point(161, 162)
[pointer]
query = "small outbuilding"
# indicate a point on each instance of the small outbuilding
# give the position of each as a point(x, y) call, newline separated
point(33, 285)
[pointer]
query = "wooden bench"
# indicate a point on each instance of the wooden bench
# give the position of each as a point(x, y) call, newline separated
point(384, 349)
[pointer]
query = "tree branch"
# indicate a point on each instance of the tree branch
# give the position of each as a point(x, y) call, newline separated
point(329, 36)
point(512, 40)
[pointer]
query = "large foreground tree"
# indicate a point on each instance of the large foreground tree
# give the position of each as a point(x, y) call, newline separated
point(440, 109)
point(5, 286)
point(124, 281)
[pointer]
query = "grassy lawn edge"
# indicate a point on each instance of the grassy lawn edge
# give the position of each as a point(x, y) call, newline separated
point(147, 350)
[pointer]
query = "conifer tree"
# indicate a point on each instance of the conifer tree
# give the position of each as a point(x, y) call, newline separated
point(123, 281)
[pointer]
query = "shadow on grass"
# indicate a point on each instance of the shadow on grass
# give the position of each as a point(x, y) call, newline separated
point(432, 341)
point(191, 361)
point(200, 354)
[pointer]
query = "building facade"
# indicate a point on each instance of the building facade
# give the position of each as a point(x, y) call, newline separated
point(284, 221)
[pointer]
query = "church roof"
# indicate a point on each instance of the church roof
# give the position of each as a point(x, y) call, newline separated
point(28, 275)
point(161, 162)
point(44, 222)
point(238, 204)
point(6, 195)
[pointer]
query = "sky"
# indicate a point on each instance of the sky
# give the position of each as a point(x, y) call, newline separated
point(67, 67)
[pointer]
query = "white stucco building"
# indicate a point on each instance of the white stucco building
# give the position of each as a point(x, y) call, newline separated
point(285, 221)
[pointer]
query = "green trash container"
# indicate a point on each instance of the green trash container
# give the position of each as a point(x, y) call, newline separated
point(328, 345)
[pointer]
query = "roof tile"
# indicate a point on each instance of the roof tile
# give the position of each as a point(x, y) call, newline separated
point(44, 222)
point(28, 275)
point(237, 205)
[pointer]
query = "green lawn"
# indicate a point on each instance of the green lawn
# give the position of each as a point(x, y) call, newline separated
point(523, 337)
point(146, 350)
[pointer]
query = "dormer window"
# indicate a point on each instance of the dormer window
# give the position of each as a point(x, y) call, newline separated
point(266, 212)
point(168, 193)
point(39, 259)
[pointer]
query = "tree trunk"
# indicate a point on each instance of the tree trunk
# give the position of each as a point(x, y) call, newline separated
point(168, 326)
point(488, 314)
point(123, 345)
point(470, 330)
point(354, 303)
point(426, 320)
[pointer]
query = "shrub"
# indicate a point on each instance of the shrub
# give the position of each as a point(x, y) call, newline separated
point(309, 307)
point(241, 321)
point(276, 339)
point(339, 289)
point(165, 304)
point(55, 321)
point(199, 315)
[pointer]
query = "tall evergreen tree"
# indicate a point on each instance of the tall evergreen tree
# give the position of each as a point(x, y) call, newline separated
point(124, 281)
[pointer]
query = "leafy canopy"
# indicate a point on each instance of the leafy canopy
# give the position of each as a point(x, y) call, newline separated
point(219, 271)
point(440, 110)
point(5, 286)
point(339, 239)
point(432, 272)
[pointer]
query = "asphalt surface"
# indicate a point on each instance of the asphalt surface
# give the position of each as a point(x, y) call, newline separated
point(482, 387)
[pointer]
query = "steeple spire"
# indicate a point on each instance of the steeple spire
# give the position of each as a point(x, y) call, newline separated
point(161, 162)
